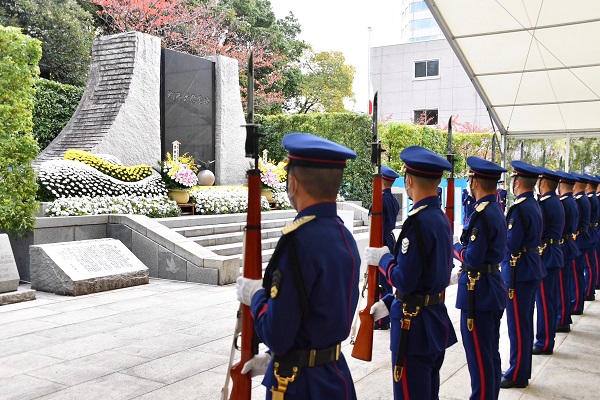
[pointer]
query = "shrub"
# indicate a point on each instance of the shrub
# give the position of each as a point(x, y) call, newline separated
point(18, 148)
point(126, 174)
point(55, 103)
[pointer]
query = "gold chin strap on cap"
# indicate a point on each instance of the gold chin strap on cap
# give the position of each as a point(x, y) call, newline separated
point(282, 382)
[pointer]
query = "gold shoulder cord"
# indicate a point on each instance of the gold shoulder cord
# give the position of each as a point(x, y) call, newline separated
point(292, 226)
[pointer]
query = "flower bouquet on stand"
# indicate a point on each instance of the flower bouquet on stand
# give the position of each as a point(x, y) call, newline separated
point(271, 176)
point(178, 175)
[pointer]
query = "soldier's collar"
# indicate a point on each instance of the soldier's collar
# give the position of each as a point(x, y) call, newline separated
point(524, 196)
point(490, 198)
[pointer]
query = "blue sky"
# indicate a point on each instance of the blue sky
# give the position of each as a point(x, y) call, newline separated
point(338, 25)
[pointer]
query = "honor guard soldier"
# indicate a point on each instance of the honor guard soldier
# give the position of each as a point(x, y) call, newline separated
point(502, 196)
point(391, 208)
point(598, 233)
point(481, 295)
point(304, 306)
point(546, 299)
point(419, 269)
point(591, 261)
point(467, 203)
point(569, 251)
point(522, 272)
point(582, 239)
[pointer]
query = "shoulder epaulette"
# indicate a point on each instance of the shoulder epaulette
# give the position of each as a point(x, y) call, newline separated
point(563, 197)
point(590, 194)
point(545, 197)
point(482, 206)
point(578, 197)
point(292, 226)
point(416, 210)
point(522, 199)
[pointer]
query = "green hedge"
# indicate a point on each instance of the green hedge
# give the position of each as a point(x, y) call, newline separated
point(349, 129)
point(55, 103)
point(18, 73)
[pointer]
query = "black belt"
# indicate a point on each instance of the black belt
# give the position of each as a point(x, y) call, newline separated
point(484, 269)
point(513, 267)
point(417, 300)
point(550, 241)
point(305, 358)
point(566, 238)
point(411, 307)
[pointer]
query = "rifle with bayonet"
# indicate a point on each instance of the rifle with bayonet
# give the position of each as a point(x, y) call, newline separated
point(363, 346)
point(450, 186)
point(252, 257)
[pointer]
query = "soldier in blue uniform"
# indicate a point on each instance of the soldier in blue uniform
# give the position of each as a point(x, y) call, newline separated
point(522, 272)
point(467, 203)
point(391, 208)
point(583, 244)
point(598, 234)
point(546, 299)
point(569, 251)
point(591, 271)
point(419, 269)
point(481, 295)
point(303, 308)
point(502, 196)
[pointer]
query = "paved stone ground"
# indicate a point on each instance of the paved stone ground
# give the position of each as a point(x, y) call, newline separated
point(171, 340)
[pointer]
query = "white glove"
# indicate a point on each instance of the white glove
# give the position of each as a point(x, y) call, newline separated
point(246, 288)
point(257, 365)
point(379, 310)
point(374, 254)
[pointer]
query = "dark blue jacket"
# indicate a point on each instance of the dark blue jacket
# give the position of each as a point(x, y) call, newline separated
point(594, 215)
point(553, 216)
point(391, 208)
point(422, 266)
point(467, 202)
point(524, 224)
point(485, 243)
point(329, 263)
point(583, 207)
point(569, 248)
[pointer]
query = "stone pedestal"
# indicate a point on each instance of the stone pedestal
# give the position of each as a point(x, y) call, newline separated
point(87, 266)
point(9, 275)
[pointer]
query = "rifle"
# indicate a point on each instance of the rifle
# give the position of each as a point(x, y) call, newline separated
point(242, 383)
point(450, 186)
point(363, 346)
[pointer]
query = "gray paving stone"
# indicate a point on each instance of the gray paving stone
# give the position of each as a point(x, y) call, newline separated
point(24, 387)
point(81, 347)
point(23, 363)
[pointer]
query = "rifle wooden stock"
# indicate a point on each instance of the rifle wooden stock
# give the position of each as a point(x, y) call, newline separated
point(363, 346)
point(242, 383)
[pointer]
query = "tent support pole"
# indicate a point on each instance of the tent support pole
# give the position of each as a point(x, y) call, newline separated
point(568, 152)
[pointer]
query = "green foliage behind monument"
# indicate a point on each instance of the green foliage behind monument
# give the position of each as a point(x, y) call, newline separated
point(18, 73)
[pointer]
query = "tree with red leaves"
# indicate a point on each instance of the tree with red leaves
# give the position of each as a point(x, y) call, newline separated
point(202, 29)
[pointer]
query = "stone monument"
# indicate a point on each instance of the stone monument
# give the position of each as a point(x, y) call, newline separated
point(86, 266)
point(9, 276)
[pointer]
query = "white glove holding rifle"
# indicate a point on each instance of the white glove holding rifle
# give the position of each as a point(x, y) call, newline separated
point(379, 310)
point(374, 254)
point(257, 365)
point(246, 288)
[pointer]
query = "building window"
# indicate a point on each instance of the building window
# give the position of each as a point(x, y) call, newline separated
point(425, 23)
point(418, 6)
point(426, 117)
point(427, 69)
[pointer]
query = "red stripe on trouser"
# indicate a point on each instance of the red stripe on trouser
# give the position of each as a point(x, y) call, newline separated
point(597, 265)
point(519, 340)
point(545, 310)
point(576, 287)
point(405, 382)
point(590, 274)
point(479, 362)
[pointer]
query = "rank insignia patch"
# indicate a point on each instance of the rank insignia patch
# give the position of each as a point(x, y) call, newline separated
point(510, 223)
point(474, 233)
point(405, 243)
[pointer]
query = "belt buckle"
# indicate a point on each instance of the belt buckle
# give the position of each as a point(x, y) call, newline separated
point(311, 358)
point(426, 300)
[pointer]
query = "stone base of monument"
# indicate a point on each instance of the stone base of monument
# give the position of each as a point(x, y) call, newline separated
point(17, 296)
point(83, 267)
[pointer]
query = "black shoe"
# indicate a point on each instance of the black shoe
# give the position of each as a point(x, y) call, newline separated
point(577, 313)
point(538, 350)
point(507, 384)
point(589, 298)
point(381, 327)
point(563, 328)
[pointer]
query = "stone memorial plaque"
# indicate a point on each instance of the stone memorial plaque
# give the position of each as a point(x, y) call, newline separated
point(83, 267)
point(188, 104)
point(9, 275)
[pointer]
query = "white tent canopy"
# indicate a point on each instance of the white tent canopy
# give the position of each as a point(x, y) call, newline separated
point(535, 63)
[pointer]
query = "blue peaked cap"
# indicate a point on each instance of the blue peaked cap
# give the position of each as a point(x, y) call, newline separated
point(521, 168)
point(591, 179)
point(484, 169)
point(566, 177)
point(388, 174)
point(549, 174)
point(422, 162)
point(581, 177)
point(308, 150)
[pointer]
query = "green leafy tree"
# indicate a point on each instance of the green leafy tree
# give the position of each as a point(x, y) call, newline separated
point(65, 29)
point(18, 73)
point(326, 81)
